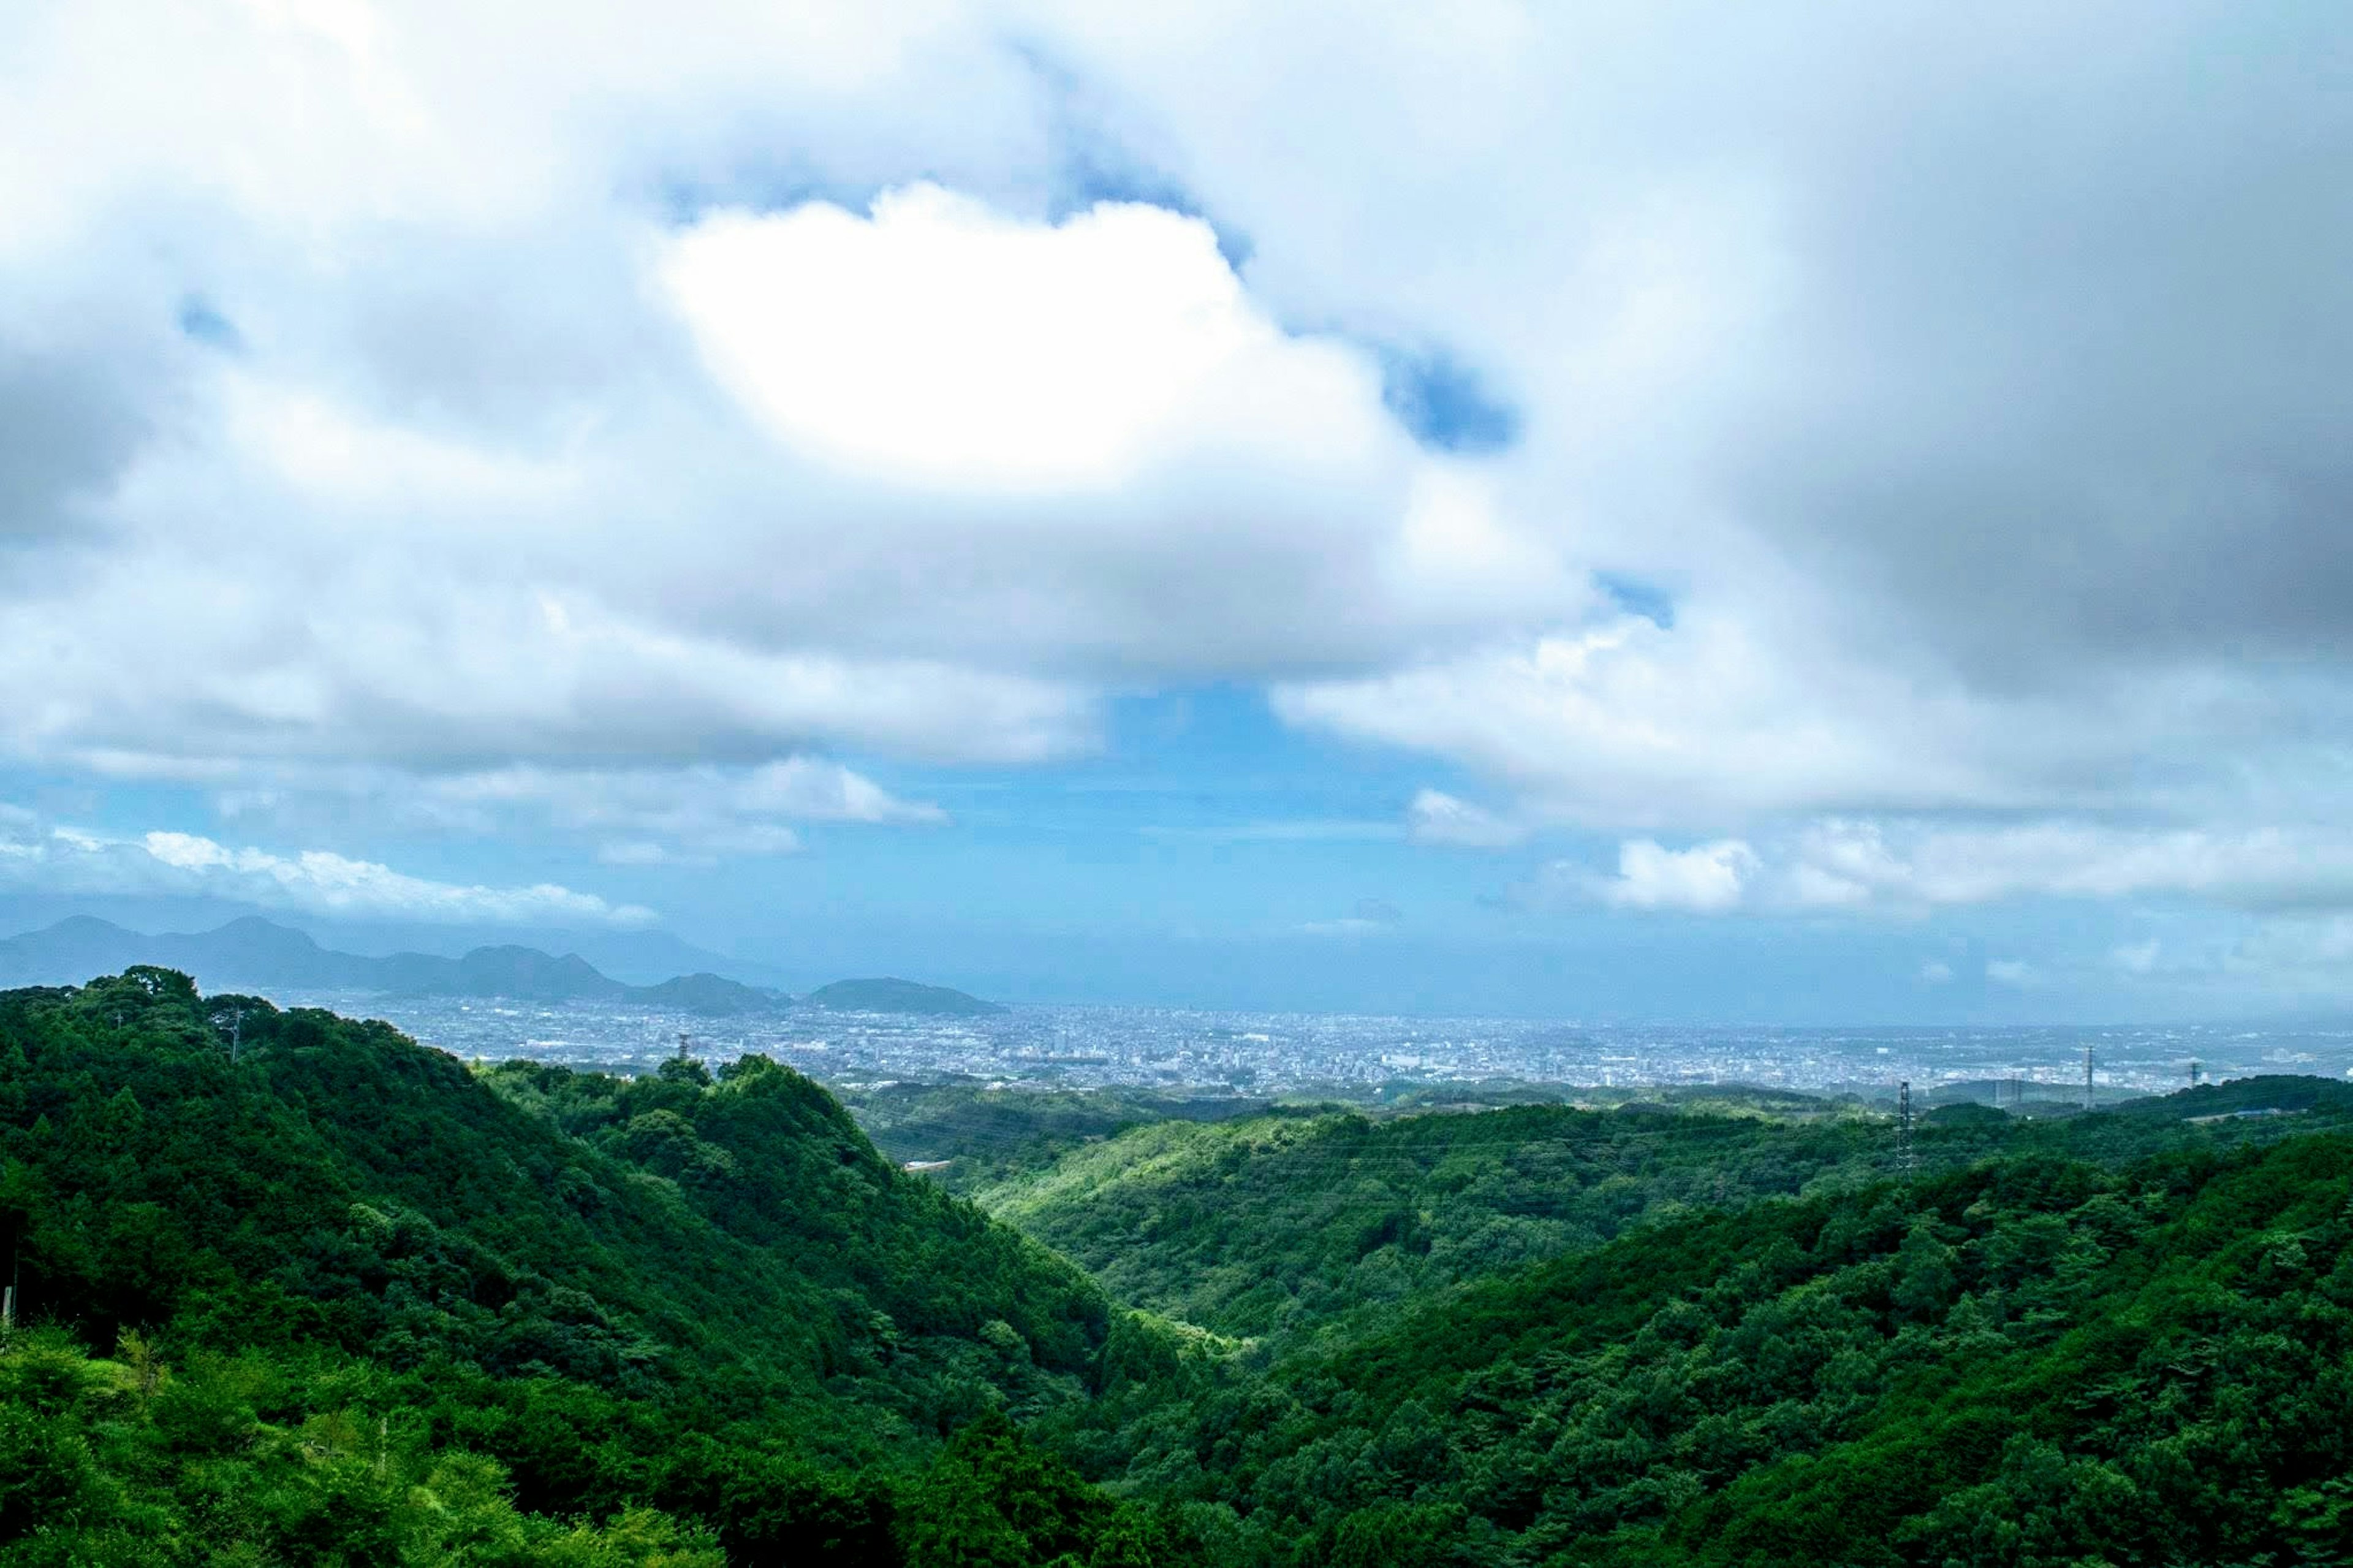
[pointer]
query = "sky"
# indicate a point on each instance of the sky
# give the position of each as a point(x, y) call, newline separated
point(1827, 512)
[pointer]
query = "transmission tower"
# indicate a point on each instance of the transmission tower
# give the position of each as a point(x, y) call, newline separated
point(2193, 1072)
point(1903, 1160)
point(2087, 1078)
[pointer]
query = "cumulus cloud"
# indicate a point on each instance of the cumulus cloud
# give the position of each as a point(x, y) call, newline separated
point(1948, 423)
point(1707, 878)
point(515, 462)
point(709, 534)
point(318, 882)
point(936, 339)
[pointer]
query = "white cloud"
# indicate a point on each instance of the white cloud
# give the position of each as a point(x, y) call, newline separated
point(940, 341)
point(2136, 957)
point(647, 817)
point(1846, 863)
point(693, 815)
point(1936, 971)
point(1629, 723)
point(2012, 971)
point(1707, 878)
point(348, 561)
point(1436, 817)
point(1904, 868)
point(65, 860)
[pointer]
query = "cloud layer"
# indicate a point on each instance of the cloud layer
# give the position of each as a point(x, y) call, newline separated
point(1897, 457)
point(1912, 868)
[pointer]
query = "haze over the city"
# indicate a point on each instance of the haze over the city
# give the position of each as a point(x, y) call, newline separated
point(1667, 514)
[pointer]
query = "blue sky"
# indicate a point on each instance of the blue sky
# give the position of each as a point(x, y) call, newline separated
point(1787, 514)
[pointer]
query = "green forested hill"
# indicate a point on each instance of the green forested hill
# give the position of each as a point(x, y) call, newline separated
point(711, 1297)
point(341, 1301)
point(2026, 1361)
point(1275, 1226)
point(338, 1181)
point(977, 1136)
point(1272, 1228)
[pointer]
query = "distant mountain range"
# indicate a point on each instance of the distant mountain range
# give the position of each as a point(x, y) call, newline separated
point(255, 955)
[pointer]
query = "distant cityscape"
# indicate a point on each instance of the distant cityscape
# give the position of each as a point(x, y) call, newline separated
point(496, 1004)
point(1295, 1053)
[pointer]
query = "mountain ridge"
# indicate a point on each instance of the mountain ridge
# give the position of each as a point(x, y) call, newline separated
point(255, 953)
point(891, 994)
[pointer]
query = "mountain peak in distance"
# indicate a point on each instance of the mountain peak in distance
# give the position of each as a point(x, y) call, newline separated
point(893, 996)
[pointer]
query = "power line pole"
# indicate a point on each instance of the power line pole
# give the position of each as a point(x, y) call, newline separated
point(1903, 1127)
point(2087, 1078)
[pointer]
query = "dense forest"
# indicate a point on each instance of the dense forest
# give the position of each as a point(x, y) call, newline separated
point(1270, 1227)
point(970, 1135)
point(297, 1291)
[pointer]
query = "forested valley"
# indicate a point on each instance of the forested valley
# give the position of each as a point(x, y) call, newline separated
point(294, 1290)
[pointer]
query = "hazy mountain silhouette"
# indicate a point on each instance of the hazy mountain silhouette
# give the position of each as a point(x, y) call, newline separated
point(888, 995)
point(255, 954)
